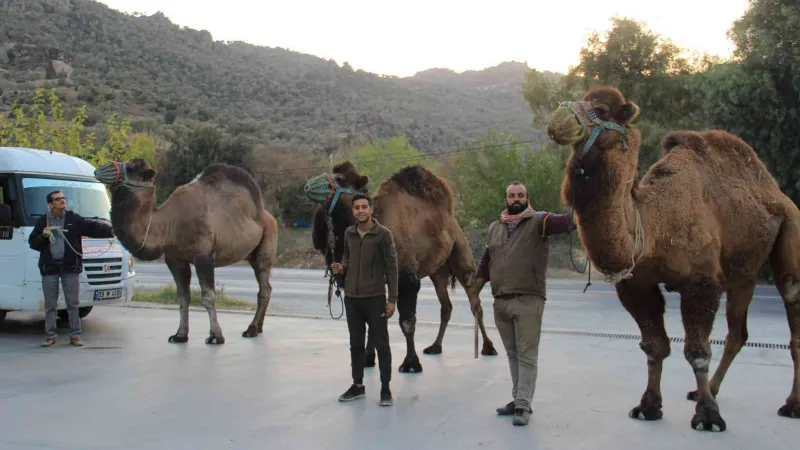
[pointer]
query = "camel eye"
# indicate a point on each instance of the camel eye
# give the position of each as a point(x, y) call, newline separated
point(601, 111)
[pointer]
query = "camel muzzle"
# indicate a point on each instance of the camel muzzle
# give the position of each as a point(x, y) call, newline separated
point(111, 173)
point(571, 121)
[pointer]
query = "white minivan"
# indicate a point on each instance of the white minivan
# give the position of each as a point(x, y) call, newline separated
point(26, 177)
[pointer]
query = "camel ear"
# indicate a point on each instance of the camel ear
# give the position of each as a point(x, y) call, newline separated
point(362, 181)
point(148, 174)
point(630, 112)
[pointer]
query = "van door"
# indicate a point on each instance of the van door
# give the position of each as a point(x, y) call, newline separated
point(13, 250)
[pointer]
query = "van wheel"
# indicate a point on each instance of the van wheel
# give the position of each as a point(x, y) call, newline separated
point(2, 315)
point(82, 312)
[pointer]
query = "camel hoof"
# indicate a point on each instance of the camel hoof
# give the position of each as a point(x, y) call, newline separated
point(214, 339)
point(411, 366)
point(488, 349)
point(250, 332)
point(646, 412)
point(435, 349)
point(790, 411)
point(708, 419)
point(176, 338)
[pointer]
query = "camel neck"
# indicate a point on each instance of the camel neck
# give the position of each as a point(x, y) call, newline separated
point(608, 226)
point(136, 225)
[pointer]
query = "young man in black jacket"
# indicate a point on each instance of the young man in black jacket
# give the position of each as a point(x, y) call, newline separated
point(57, 238)
point(369, 263)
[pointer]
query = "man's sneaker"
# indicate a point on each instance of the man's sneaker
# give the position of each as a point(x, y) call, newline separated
point(521, 417)
point(386, 397)
point(353, 393)
point(508, 409)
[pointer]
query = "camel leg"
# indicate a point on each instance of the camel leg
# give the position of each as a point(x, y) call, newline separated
point(407, 290)
point(182, 274)
point(736, 307)
point(699, 305)
point(646, 304)
point(786, 270)
point(439, 280)
point(205, 275)
point(261, 261)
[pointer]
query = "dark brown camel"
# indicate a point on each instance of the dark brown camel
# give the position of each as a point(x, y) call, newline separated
point(417, 206)
point(216, 220)
point(704, 220)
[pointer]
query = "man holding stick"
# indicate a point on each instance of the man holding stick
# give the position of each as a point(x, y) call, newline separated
point(515, 261)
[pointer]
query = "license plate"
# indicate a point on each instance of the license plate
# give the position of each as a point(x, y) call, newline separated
point(6, 233)
point(108, 294)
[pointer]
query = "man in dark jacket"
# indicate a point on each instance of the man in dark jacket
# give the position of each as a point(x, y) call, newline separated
point(369, 263)
point(57, 238)
point(515, 260)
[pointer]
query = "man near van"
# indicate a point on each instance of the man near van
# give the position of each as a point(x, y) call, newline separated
point(515, 261)
point(57, 238)
point(369, 262)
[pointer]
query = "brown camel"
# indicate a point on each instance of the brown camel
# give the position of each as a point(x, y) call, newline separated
point(704, 219)
point(418, 207)
point(216, 220)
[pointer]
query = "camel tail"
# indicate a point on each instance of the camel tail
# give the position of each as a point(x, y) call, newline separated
point(683, 138)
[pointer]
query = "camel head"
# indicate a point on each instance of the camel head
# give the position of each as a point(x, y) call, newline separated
point(135, 173)
point(599, 129)
point(333, 193)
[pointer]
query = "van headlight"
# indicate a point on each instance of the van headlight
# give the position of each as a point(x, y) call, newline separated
point(130, 266)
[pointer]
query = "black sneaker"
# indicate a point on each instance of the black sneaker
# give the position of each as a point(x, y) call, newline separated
point(386, 397)
point(508, 409)
point(353, 393)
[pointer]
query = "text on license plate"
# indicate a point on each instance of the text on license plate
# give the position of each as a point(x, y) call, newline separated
point(108, 294)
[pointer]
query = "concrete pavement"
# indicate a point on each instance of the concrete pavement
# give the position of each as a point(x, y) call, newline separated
point(128, 388)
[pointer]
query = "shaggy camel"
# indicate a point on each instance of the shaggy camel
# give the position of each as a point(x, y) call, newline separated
point(703, 220)
point(417, 207)
point(215, 220)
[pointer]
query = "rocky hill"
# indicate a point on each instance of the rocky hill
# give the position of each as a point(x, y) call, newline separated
point(165, 75)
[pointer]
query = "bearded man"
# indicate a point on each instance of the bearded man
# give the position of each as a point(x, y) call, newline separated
point(515, 262)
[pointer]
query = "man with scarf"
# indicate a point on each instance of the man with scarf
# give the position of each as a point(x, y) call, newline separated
point(515, 261)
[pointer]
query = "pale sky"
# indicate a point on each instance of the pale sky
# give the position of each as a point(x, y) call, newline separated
point(403, 37)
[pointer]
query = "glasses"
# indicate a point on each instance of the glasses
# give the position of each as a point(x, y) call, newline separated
point(55, 199)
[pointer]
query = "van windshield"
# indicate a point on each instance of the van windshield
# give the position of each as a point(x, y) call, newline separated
point(87, 198)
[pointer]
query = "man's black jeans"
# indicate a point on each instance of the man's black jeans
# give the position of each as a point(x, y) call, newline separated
point(360, 313)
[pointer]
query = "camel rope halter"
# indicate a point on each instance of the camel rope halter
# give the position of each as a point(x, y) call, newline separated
point(570, 122)
point(323, 189)
point(114, 174)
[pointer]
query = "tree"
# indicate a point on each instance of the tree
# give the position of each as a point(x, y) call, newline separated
point(51, 130)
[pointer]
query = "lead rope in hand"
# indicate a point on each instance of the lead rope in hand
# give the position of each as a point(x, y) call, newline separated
point(329, 273)
point(588, 264)
point(53, 241)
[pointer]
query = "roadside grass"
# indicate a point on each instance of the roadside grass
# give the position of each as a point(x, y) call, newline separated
point(168, 296)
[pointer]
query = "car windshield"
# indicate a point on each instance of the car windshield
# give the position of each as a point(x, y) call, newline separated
point(87, 198)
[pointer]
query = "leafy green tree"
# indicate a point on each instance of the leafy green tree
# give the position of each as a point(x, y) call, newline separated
point(381, 159)
point(45, 126)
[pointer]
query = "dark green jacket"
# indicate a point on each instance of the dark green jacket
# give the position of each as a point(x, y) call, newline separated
point(370, 262)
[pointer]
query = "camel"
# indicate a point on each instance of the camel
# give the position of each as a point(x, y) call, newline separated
point(703, 220)
point(215, 220)
point(418, 207)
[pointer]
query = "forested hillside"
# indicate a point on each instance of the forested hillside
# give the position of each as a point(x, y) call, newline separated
point(161, 74)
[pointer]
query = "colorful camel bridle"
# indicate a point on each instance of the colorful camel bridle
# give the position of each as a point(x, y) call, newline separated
point(573, 120)
point(115, 174)
point(325, 189)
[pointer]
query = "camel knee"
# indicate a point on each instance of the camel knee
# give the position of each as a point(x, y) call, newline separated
point(408, 323)
point(655, 352)
point(208, 300)
point(699, 358)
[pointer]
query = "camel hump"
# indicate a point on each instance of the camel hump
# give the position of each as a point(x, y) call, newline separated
point(685, 139)
point(420, 182)
point(215, 175)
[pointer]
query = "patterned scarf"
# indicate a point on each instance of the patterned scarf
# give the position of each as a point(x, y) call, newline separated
point(512, 220)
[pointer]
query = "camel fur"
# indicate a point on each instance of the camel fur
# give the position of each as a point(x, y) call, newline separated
point(711, 216)
point(215, 220)
point(418, 207)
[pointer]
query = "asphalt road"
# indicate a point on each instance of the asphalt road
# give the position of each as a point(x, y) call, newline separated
point(304, 292)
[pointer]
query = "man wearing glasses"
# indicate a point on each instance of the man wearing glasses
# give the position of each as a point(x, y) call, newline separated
point(57, 238)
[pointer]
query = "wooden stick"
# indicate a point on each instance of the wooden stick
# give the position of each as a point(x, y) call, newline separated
point(476, 335)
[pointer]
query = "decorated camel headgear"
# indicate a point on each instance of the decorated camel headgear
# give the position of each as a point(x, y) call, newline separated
point(324, 188)
point(571, 120)
point(115, 174)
